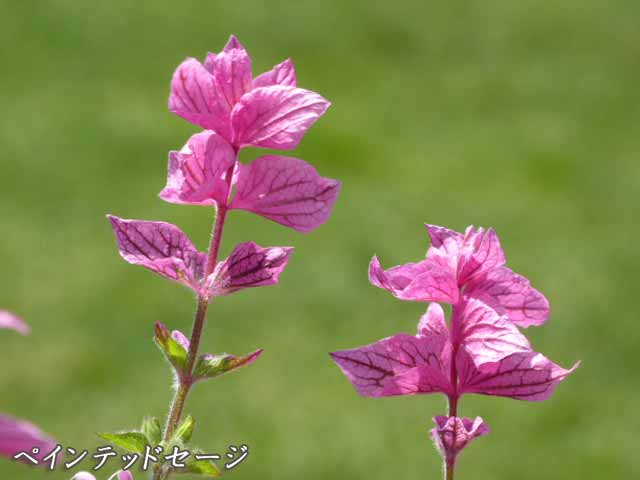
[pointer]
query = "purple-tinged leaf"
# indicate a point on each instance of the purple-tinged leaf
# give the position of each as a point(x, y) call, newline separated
point(249, 265)
point(13, 322)
point(160, 247)
point(282, 74)
point(286, 190)
point(522, 376)
point(231, 70)
point(486, 335)
point(275, 117)
point(425, 281)
point(398, 365)
point(504, 289)
point(198, 172)
point(194, 97)
point(21, 436)
point(210, 366)
point(452, 434)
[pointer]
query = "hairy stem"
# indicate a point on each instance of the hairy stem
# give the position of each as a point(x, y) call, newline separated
point(186, 380)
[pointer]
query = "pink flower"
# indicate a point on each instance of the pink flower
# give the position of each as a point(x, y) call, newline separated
point(22, 436)
point(286, 190)
point(222, 95)
point(13, 322)
point(487, 352)
point(166, 250)
point(473, 263)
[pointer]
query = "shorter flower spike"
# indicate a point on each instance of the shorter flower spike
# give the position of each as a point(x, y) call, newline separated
point(160, 247)
point(249, 265)
point(13, 322)
point(452, 434)
point(21, 436)
point(197, 173)
point(286, 190)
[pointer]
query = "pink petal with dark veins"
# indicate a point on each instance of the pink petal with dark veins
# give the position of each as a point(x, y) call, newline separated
point(486, 335)
point(249, 265)
point(194, 97)
point(445, 247)
point(504, 289)
point(452, 434)
point(197, 173)
point(433, 323)
point(286, 190)
point(22, 436)
point(231, 70)
point(480, 253)
point(13, 322)
point(282, 74)
point(160, 247)
point(398, 365)
point(275, 117)
point(522, 376)
point(425, 281)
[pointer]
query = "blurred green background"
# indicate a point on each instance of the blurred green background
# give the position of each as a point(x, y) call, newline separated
point(524, 116)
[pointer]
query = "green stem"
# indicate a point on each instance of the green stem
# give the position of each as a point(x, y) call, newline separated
point(186, 380)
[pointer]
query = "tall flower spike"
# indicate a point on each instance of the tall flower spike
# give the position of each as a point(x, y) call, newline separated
point(268, 111)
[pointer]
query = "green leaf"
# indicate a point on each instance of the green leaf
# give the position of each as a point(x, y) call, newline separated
point(172, 350)
point(152, 430)
point(130, 441)
point(210, 366)
point(185, 430)
point(200, 467)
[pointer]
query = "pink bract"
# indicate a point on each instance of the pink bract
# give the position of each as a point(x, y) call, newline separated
point(491, 355)
point(13, 322)
point(473, 263)
point(286, 190)
point(21, 436)
point(268, 111)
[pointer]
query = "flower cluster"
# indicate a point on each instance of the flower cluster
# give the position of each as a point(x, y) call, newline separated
point(236, 111)
point(482, 350)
